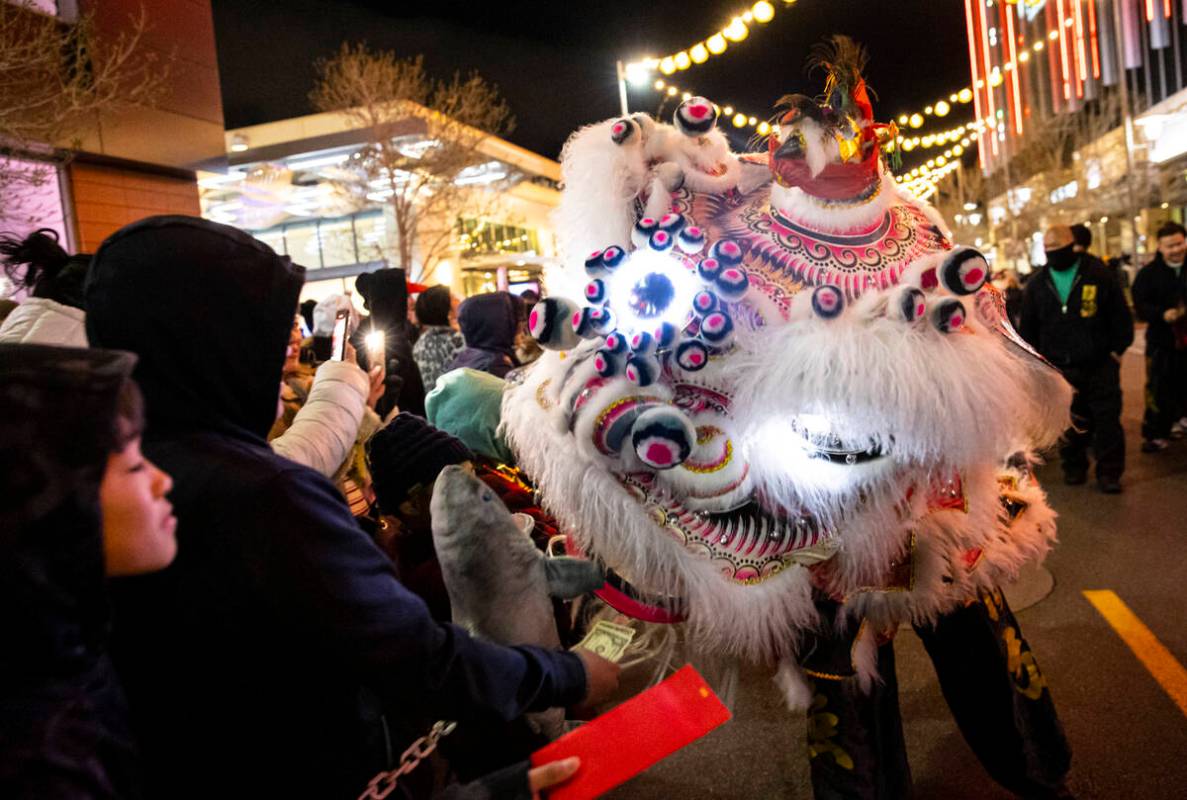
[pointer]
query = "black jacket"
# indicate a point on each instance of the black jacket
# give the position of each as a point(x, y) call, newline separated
point(488, 323)
point(259, 663)
point(63, 718)
point(1156, 289)
point(1095, 323)
point(385, 295)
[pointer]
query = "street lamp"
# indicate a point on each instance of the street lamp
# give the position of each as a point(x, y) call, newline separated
point(636, 73)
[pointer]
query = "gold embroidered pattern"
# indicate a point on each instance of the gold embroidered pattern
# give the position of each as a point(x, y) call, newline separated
point(541, 394)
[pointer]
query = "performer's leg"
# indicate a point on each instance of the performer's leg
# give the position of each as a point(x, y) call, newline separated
point(855, 740)
point(999, 698)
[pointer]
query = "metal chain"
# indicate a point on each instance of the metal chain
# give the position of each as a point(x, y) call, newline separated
point(384, 783)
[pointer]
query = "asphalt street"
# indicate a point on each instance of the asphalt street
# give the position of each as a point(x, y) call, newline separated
point(1128, 736)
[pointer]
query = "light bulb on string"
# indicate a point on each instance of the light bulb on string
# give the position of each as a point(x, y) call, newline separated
point(763, 11)
point(736, 31)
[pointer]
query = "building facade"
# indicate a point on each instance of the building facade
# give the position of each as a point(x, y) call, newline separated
point(1081, 108)
point(290, 183)
point(129, 165)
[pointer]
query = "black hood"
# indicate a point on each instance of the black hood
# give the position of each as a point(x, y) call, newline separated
point(489, 321)
point(57, 427)
point(385, 295)
point(208, 310)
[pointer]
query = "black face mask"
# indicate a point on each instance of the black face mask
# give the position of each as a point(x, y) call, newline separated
point(1062, 258)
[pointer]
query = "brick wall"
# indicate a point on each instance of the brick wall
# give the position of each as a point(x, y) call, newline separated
point(107, 198)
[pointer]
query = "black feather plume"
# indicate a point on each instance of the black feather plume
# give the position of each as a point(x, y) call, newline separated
point(843, 60)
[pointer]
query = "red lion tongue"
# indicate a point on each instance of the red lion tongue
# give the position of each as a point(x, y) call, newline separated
point(836, 181)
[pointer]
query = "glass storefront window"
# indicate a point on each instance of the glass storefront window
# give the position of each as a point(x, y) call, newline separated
point(337, 242)
point(274, 238)
point(303, 244)
point(32, 197)
point(371, 234)
point(479, 282)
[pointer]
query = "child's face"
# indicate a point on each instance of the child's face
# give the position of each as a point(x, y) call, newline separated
point(138, 522)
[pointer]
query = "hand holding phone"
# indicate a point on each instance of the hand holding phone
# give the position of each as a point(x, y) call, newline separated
point(340, 335)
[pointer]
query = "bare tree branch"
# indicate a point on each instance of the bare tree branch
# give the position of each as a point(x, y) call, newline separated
point(57, 78)
point(427, 181)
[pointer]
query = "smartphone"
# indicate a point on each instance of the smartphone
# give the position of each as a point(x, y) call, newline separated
point(340, 335)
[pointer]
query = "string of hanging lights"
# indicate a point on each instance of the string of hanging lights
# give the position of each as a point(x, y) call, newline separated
point(739, 119)
point(738, 29)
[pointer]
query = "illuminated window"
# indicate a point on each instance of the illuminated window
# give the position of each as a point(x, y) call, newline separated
point(274, 238)
point(370, 236)
point(337, 242)
point(483, 237)
point(302, 244)
point(32, 198)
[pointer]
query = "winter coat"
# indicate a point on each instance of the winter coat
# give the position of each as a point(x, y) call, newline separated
point(488, 323)
point(40, 320)
point(1156, 289)
point(1093, 326)
point(468, 404)
point(325, 428)
point(262, 662)
point(63, 718)
point(436, 347)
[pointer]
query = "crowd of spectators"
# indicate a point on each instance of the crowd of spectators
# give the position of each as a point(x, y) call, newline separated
point(1076, 313)
point(215, 564)
point(218, 563)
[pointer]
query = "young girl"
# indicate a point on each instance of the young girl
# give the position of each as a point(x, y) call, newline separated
point(80, 504)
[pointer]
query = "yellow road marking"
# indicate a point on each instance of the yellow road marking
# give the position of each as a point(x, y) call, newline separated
point(1169, 673)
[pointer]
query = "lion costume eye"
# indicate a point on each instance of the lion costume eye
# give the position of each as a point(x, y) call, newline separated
point(486, 497)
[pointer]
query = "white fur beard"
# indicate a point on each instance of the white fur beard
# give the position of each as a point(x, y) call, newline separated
point(761, 623)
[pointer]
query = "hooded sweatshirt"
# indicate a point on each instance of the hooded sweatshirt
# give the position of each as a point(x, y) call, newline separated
point(63, 718)
point(488, 323)
point(264, 657)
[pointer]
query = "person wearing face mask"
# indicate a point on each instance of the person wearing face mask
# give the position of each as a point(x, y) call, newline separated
point(1159, 293)
point(1075, 314)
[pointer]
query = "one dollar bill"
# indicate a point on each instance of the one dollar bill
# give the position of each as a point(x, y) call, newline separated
point(608, 639)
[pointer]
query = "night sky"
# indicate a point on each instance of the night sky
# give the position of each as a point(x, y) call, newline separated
point(554, 62)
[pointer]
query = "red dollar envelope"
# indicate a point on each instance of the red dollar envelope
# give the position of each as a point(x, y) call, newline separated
point(631, 737)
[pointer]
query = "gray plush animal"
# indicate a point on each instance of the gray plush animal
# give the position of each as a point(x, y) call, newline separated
point(499, 584)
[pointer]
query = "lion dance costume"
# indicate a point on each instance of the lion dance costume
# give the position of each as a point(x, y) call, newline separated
point(790, 412)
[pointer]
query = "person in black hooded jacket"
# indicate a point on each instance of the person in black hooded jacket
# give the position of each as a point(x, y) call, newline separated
point(278, 656)
point(489, 323)
point(70, 469)
point(385, 295)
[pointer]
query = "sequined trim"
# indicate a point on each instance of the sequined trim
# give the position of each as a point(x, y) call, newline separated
point(705, 435)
